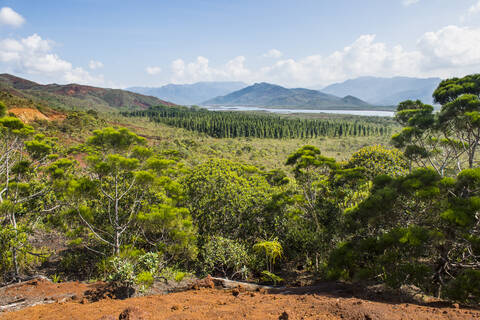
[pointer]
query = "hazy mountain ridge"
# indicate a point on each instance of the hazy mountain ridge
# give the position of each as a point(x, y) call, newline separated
point(189, 94)
point(74, 96)
point(386, 91)
point(270, 95)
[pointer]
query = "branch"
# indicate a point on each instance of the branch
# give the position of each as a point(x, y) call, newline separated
point(93, 231)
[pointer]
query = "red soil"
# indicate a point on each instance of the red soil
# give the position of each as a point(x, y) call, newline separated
point(207, 303)
point(28, 115)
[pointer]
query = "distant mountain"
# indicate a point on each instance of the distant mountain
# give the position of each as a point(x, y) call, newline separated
point(189, 94)
point(74, 96)
point(386, 91)
point(269, 95)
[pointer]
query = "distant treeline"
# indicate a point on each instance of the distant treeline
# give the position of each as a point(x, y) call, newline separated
point(240, 124)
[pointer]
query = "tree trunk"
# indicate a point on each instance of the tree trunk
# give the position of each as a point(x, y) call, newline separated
point(15, 264)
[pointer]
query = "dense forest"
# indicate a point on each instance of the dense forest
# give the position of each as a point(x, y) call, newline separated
point(132, 211)
point(241, 124)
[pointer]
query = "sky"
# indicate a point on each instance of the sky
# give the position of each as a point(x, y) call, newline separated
point(295, 43)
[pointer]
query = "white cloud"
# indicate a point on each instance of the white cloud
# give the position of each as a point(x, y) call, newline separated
point(9, 17)
point(153, 70)
point(236, 68)
point(409, 2)
point(362, 57)
point(93, 64)
point(200, 70)
point(450, 51)
point(451, 47)
point(33, 55)
point(273, 53)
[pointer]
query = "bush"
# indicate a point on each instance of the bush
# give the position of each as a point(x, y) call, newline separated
point(123, 272)
point(466, 287)
point(378, 160)
point(179, 276)
point(149, 261)
point(145, 279)
point(225, 257)
point(271, 277)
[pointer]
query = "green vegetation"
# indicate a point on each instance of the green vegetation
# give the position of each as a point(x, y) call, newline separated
point(240, 124)
point(163, 202)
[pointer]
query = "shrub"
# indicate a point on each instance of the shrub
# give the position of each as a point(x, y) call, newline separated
point(466, 287)
point(378, 160)
point(123, 272)
point(225, 257)
point(145, 279)
point(149, 261)
point(179, 275)
point(271, 277)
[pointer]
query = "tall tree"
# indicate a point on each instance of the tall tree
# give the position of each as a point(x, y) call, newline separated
point(28, 169)
point(318, 205)
point(126, 193)
point(424, 140)
point(460, 113)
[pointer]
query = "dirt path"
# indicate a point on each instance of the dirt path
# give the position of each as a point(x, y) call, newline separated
point(222, 304)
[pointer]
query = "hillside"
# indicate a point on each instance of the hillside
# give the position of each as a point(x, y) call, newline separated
point(189, 94)
point(74, 96)
point(269, 95)
point(386, 91)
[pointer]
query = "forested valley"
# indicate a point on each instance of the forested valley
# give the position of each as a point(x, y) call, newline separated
point(395, 203)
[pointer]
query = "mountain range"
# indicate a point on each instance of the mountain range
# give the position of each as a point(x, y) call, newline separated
point(386, 91)
point(368, 93)
point(189, 94)
point(270, 95)
point(74, 96)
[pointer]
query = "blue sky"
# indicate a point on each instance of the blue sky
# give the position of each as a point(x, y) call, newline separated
point(309, 43)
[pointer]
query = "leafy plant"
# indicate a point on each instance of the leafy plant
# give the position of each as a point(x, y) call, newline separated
point(271, 277)
point(226, 257)
point(272, 250)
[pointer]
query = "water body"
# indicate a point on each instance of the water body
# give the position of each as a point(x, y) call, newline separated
point(288, 111)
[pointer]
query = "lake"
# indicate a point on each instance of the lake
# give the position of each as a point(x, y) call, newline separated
point(287, 111)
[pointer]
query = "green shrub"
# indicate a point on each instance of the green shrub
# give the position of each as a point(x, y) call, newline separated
point(149, 261)
point(378, 160)
point(3, 109)
point(225, 257)
point(179, 276)
point(466, 287)
point(271, 277)
point(123, 272)
point(145, 279)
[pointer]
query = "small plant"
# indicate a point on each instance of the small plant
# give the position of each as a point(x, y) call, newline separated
point(56, 278)
point(123, 272)
point(272, 249)
point(145, 280)
point(149, 261)
point(179, 275)
point(271, 277)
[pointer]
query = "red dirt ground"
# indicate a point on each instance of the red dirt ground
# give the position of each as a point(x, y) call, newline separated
point(28, 115)
point(209, 303)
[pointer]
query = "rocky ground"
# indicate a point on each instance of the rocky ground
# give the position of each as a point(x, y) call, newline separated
point(41, 299)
